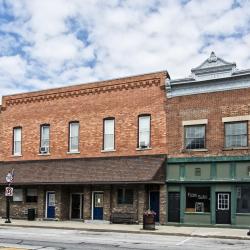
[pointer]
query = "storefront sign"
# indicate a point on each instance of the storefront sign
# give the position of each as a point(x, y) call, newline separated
point(198, 196)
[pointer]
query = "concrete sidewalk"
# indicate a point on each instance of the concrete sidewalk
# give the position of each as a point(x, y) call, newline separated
point(208, 232)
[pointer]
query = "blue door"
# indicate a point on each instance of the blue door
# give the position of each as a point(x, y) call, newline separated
point(51, 205)
point(98, 206)
point(154, 203)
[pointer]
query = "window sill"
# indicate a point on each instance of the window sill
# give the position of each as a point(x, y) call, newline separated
point(76, 152)
point(198, 213)
point(108, 150)
point(44, 154)
point(195, 150)
point(16, 155)
point(236, 148)
point(142, 149)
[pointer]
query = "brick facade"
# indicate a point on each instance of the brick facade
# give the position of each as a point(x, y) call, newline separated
point(210, 106)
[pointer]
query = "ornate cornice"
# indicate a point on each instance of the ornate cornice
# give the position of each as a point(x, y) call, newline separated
point(80, 91)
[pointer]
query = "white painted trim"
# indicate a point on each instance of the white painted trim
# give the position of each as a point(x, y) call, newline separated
point(46, 203)
point(236, 118)
point(195, 122)
point(92, 209)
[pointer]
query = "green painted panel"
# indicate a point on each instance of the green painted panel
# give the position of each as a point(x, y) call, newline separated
point(197, 218)
point(213, 205)
point(174, 188)
point(213, 171)
point(173, 172)
point(223, 171)
point(182, 203)
point(242, 219)
point(208, 159)
point(223, 188)
point(242, 170)
point(205, 171)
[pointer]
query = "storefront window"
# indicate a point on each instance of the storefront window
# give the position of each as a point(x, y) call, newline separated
point(243, 199)
point(198, 199)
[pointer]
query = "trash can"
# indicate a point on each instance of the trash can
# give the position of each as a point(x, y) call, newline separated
point(31, 213)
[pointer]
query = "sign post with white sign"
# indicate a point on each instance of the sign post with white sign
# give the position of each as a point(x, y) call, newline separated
point(8, 193)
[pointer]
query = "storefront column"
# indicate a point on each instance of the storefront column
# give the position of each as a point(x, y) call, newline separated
point(163, 204)
point(41, 203)
point(233, 205)
point(141, 202)
point(106, 205)
point(182, 203)
point(87, 203)
point(213, 205)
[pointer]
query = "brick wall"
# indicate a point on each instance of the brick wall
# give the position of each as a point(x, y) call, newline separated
point(211, 106)
point(89, 104)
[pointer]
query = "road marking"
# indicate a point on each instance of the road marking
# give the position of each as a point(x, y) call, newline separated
point(184, 241)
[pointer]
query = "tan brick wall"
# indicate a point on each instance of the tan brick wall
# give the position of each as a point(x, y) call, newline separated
point(89, 104)
point(211, 106)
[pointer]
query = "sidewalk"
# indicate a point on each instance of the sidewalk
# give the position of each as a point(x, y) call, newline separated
point(208, 232)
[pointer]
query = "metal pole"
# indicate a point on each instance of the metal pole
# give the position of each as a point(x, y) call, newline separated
point(7, 210)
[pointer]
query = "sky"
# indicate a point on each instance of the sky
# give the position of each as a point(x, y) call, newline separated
point(53, 43)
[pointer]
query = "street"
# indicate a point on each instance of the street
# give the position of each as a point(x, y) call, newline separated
point(55, 239)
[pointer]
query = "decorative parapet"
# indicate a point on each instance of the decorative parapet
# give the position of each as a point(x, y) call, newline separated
point(84, 89)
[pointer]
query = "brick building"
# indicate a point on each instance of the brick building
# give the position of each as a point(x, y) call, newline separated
point(208, 166)
point(87, 151)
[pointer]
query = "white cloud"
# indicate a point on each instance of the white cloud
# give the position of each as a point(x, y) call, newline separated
point(53, 43)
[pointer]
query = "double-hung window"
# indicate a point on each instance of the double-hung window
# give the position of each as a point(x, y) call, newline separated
point(108, 134)
point(17, 141)
point(236, 134)
point(195, 137)
point(125, 196)
point(44, 142)
point(74, 137)
point(144, 131)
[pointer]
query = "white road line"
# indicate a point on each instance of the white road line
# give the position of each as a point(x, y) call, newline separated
point(184, 241)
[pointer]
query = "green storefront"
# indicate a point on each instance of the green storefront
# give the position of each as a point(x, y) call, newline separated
point(209, 190)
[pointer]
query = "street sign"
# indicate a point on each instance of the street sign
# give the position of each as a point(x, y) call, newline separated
point(10, 177)
point(9, 191)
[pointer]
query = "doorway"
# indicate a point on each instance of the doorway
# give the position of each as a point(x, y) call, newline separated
point(154, 200)
point(174, 207)
point(223, 208)
point(97, 202)
point(76, 207)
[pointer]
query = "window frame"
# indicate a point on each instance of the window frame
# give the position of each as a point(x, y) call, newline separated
point(225, 136)
point(22, 194)
point(103, 134)
point(26, 196)
point(138, 131)
point(13, 141)
point(205, 136)
point(124, 201)
point(41, 133)
point(69, 137)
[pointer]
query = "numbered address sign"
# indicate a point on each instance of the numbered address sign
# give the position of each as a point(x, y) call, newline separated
point(9, 191)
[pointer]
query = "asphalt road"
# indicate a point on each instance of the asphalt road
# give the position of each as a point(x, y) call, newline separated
point(55, 239)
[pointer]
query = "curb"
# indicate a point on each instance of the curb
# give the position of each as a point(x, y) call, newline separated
point(132, 232)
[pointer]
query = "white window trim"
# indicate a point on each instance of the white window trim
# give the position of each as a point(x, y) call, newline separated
point(14, 146)
point(108, 149)
point(70, 131)
point(236, 118)
point(195, 122)
point(139, 136)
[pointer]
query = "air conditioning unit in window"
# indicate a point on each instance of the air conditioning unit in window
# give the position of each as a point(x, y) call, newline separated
point(44, 150)
point(143, 144)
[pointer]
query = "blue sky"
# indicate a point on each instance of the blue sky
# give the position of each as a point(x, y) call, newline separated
point(47, 44)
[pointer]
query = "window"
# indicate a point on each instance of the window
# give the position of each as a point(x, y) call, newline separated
point(44, 141)
point(18, 195)
point(31, 195)
point(195, 137)
point(144, 131)
point(17, 141)
point(125, 196)
point(197, 171)
point(243, 199)
point(198, 199)
point(73, 136)
point(109, 134)
point(236, 134)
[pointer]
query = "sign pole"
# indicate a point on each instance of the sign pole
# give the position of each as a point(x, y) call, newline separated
point(8, 193)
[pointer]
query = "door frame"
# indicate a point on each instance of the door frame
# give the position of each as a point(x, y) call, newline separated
point(46, 204)
point(92, 209)
point(230, 206)
point(149, 200)
point(81, 207)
